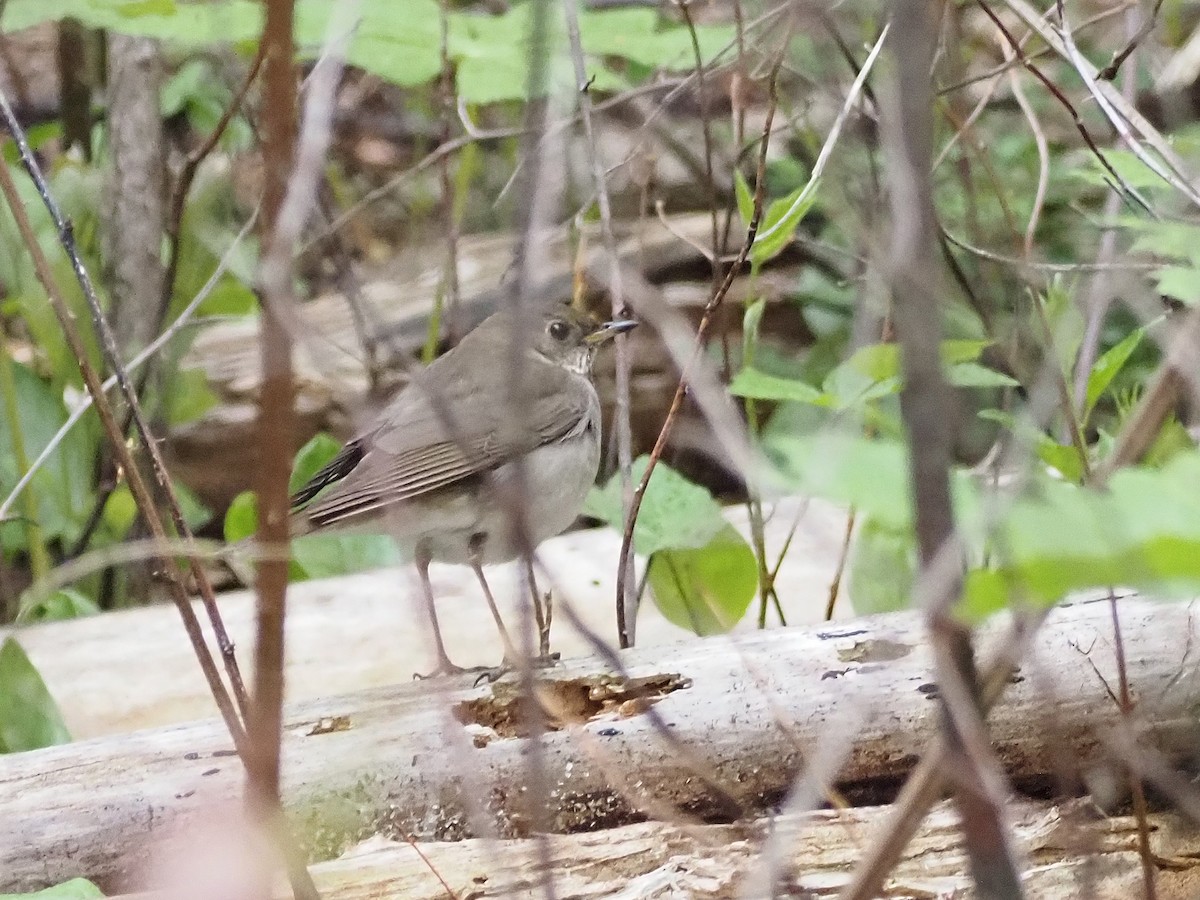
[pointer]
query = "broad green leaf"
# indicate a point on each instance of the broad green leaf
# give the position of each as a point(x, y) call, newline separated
point(241, 519)
point(65, 603)
point(29, 718)
point(643, 36)
point(1142, 531)
point(1173, 240)
point(779, 224)
point(318, 451)
point(75, 889)
point(188, 396)
point(675, 513)
point(974, 375)
point(882, 566)
point(756, 385)
point(871, 476)
point(1064, 457)
point(1108, 366)
point(186, 24)
point(1180, 283)
point(705, 589)
point(326, 555)
point(63, 484)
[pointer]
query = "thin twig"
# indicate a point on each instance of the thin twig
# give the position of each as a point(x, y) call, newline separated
point(616, 285)
point(112, 356)
point(716, 299)
point(137, 484)
point(133, 365)
point(927, 409)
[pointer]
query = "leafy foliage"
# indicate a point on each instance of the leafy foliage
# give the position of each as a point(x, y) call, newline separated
point(1057, 537)
point(401, 41)
point(29, 718)
point(317, 555)
point(75, 889)
point(702, 572)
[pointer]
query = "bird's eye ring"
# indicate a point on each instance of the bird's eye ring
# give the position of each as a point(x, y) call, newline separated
point(559, 330)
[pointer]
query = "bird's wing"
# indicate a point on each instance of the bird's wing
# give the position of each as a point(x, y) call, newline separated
point(421, 447)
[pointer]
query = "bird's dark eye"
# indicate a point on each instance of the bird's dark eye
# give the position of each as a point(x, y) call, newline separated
point(559, 330)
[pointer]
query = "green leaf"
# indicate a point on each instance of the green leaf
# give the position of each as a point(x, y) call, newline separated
point(882, 568)
point(675, 513)
point(745, 198)
point(705, 589)
point(1063, 457)
point(1173, 240)
point(327, 555)
point(974, 375)
point(75, 889)
point(643, 36)
point(756, 385)
point(750, 325)
point(188, 396)
point(1108, 366)
point(65, 603)
point(779, 225)
point(241, 519)
point(318, 451)
point(29, 718)
point(1180, 283)
point(871, 476)
point(63, 483)
point(1066, 323)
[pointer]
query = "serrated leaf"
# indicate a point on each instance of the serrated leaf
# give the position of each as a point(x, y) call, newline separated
point(705, 589)
point(29, 717)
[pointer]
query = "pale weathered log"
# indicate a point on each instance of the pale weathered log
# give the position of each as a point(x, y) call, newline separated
point(443, 759)
point(134, 669)
point(1068, 851)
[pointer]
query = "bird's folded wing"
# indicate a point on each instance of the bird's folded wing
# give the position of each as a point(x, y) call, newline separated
point(420, 448)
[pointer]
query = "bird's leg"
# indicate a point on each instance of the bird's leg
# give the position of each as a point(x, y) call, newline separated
point(475, 556)
point(543, 611)
point(444, 666)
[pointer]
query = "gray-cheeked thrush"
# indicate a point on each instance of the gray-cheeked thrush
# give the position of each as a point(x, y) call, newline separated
point(437, 467)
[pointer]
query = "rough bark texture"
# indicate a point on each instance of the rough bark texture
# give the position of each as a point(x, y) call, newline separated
point(442, 760)
point(135, 189)
point(1069, 850)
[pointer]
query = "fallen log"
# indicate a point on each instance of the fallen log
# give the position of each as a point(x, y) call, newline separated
point(1067, 850)
point(444, 760)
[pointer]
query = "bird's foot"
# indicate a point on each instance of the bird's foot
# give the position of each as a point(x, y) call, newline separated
point(495, 673)
point(447, 668)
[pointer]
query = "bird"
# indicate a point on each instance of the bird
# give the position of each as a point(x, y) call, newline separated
point(438, 467)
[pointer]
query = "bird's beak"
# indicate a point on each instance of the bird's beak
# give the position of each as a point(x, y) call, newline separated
point(608, 331)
